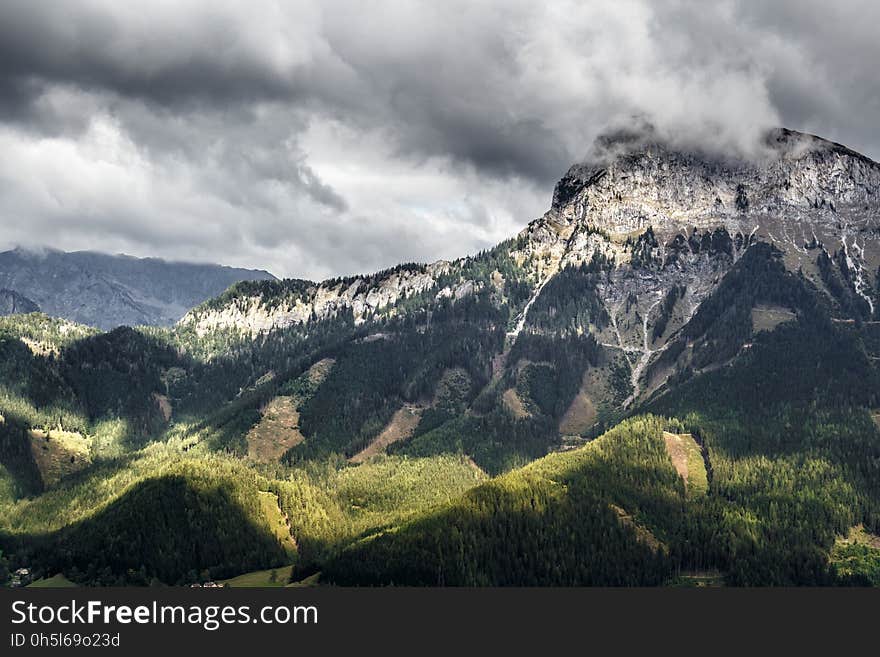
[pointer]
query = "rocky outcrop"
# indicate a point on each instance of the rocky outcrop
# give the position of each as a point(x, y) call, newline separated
point(799, 176)
point(252, 312)
point(803, 193)
point(13, 303)
point(677, 219)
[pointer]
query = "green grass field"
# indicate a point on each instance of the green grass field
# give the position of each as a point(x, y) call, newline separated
point(58, 581)
point(687, 457)
point(708, 579)
point(274, 577)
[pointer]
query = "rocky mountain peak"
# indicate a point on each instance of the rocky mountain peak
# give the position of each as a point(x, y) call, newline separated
point(678, 219)
point(634, 181)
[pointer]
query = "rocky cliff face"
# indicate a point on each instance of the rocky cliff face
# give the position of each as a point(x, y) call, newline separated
point(804, 191)
point(800, 176)
point(255, 309)
point(675, 219)
point(108, 291)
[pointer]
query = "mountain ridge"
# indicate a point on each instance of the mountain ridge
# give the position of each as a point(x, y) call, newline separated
point(112, 290)
point(645, 184)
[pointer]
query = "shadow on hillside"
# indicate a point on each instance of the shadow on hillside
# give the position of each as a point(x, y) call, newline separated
point(175, 529)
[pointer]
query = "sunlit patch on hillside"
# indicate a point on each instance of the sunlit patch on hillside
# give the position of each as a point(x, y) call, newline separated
point(687, 458)
point(59, 453)
point(855, 557)
point(767, 318)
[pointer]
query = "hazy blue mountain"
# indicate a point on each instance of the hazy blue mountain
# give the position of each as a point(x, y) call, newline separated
point(113, 290)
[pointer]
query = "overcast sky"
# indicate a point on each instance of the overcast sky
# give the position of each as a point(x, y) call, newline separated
point(318, 138)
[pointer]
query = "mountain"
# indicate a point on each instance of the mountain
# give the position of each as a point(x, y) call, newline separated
point(671, 377)
point(642, 235)
point(11, 303)
point(108, 291)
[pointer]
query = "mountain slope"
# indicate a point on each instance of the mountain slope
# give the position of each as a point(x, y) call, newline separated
point(633, 244)
point(108, 291)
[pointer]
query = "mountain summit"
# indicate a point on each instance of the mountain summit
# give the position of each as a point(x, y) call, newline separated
point(801, 178)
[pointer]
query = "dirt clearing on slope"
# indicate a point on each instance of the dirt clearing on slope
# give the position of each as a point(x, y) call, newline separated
point(276, 432)
point(319, 371)
point(402, 424)
point(581, 414)
point(767, 318)
point(687, 458)
point(278, 428)
point(514, 404)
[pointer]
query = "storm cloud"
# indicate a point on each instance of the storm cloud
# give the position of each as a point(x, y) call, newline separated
point(317, 138)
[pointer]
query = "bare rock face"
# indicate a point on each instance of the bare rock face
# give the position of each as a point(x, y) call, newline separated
point(803, 194)
point(298, 302)
point(799, 176)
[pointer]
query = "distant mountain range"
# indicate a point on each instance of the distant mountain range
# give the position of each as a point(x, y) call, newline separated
point(106, 291)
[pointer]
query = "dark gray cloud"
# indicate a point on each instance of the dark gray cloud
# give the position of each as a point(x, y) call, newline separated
point(315, 138)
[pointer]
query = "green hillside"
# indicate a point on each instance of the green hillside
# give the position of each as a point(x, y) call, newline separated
point(616, 513)
point(177, 517)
